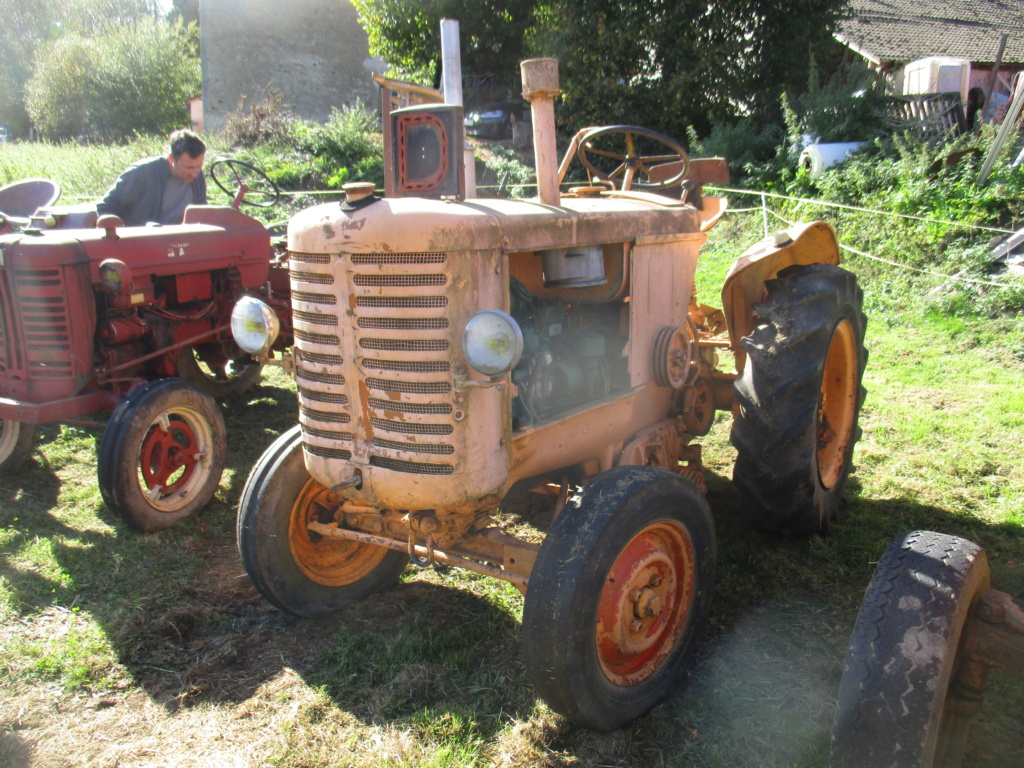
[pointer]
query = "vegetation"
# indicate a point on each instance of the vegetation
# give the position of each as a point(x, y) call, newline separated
point(97, 68)
point(665, 65)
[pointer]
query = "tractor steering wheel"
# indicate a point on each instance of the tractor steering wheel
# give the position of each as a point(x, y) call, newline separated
point(636, 161)
point(245, 183)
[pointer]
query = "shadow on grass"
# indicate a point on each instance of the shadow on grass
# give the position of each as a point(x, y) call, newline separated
point(190, 629)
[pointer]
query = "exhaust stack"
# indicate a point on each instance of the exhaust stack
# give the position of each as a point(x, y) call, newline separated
point(540, 88)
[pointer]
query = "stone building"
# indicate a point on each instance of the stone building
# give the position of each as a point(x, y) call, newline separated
point(313, 52)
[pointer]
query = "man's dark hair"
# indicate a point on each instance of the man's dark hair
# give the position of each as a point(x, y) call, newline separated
point(185, 141)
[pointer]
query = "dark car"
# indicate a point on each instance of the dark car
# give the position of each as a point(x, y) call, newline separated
point(495, 120)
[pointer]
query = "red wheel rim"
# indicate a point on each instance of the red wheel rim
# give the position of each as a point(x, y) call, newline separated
point(645, 603)
point(169, 450)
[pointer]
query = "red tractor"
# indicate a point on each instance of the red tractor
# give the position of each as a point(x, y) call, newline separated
point(135, 321)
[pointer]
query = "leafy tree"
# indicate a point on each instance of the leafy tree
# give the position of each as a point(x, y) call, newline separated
point(57, 97)
point(135, 78)
point(407, 34)
point(23, 26)
point(666, 64)
point(28, 27)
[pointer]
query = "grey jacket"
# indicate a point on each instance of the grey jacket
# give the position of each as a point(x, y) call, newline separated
point(137, 195)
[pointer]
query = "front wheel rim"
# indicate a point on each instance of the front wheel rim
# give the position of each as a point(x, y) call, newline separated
point(326, 561)
point(645, 603)
point(837, 404)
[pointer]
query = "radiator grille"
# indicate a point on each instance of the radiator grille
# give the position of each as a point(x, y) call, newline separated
point(332, 379)
point(364, 259)
point(408, 366)
point(314, 298)
point(315, 318)
point(325, 339)
point(406, 345)
point(390, 311)
point(35, 327)
point(323, 397)
point(402, 302)
point(411, 467)
point(435, 409)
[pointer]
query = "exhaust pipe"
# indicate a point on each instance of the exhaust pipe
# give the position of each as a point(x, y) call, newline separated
point(540, 88)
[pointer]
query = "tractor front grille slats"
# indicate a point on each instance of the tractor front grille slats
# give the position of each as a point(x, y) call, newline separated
point(391, 358)
point(35, 327)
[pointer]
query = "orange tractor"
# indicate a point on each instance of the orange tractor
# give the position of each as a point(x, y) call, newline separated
point(450, 352)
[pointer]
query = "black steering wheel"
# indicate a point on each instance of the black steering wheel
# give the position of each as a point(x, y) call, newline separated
point(245, 183)
point(631, 169)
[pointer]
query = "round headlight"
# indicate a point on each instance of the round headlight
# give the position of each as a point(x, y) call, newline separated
point(493, 342)
point(254, 325)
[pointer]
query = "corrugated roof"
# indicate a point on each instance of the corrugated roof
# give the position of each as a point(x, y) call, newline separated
point(907, 30)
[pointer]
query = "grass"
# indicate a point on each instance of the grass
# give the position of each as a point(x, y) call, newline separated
point(120, 649)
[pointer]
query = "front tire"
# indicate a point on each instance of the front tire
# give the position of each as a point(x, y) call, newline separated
point(896, 707)
point(298, 571)
point(799, 399)
point(162, 454)
point(618, 596)
point(16, 441)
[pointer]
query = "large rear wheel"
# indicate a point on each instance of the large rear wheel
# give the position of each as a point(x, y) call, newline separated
point(897, 706)
point(219, 379)
point(299, 571)
point(16, 440)
point(618, 596)
point(799, 398)
point(162, 454)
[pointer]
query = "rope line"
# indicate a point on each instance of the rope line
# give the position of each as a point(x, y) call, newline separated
point(867, 255)
point(864, 210)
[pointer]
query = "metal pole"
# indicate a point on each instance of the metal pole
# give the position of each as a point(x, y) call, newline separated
point(764, 213)
point(451, 84)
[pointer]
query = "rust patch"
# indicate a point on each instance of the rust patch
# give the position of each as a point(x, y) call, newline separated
point(364, 401)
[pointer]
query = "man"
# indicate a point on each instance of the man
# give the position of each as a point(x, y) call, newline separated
point(158, 189)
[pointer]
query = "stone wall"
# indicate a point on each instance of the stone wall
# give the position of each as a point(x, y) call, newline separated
point(313, 52)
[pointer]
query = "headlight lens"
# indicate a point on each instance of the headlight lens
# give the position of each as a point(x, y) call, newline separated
point(493, 342)
point(254, 325)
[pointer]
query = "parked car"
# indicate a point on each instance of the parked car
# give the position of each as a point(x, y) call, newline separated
point(495, 120)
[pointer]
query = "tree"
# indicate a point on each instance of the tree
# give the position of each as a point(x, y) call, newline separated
point(26, 30)
point(24, 25)
point(134, 78)
point(407, 34)
point(666, 64)
point(57, 98)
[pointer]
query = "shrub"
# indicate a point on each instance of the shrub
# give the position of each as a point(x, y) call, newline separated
point(267, 121)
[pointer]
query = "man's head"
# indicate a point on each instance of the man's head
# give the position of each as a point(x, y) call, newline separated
point(187, 154)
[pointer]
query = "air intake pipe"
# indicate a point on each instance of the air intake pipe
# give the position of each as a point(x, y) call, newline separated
point(540, 88)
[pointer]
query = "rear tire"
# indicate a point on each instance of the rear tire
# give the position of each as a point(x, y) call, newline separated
point(296, 570)
point(16, 441)
point(618, 596)
point(162, 454)
point(896, 708)
point(236, 377)
point(799, 399)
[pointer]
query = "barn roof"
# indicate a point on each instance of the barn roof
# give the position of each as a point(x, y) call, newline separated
point(900, 31)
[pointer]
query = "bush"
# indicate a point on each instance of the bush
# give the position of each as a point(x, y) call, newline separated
point(133, 79)
point(267, 121)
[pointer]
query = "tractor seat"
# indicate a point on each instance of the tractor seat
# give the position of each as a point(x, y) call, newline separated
point(21, 199)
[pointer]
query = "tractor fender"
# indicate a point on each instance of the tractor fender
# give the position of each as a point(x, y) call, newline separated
point(812, 243)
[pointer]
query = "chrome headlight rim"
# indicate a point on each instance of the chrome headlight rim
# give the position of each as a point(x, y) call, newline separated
point(492, 342)
point(254, 326)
